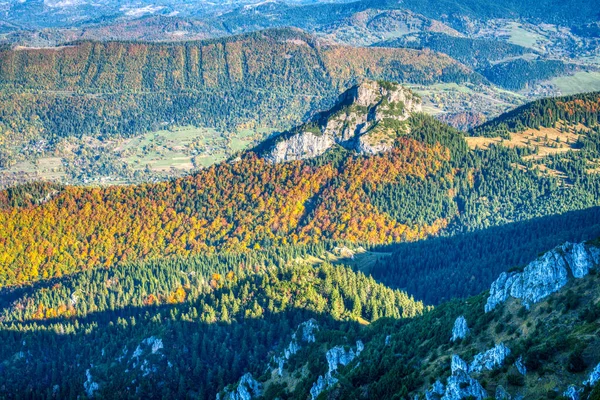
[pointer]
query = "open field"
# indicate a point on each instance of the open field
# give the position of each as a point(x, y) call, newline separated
point(546, 140)
point(522, 37)
point(156, 155)
point(580, 82)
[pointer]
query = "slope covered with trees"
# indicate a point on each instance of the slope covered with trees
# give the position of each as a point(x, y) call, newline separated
point(430, 182)
point(552, 345)
point(476, 53)
point(466, 264)
point(581, 108)
point(273, 77)
point(177, 328)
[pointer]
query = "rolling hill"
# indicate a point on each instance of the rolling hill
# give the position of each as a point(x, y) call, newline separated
point(259, 81)
point(251, 203)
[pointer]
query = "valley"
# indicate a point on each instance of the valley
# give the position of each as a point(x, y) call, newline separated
point(300, 200)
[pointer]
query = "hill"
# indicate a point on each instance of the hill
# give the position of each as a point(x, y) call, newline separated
point(426, 182)
point(65, 102)
point(293, 328)
point(541, 348)
point(185, 327)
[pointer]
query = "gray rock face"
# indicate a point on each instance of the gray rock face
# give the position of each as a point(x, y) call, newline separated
point(339, 356)
point(304, 333)
point(353, 124)
point(89, 385)
point(436, 392)
point(520, 366)
point(572, 393)
point(458, 364)
point(308, 330)
point(594, 376)
point(490, 359)
point(303, 145)
point(502, 394)
point(460, 385)
point(544, 276)
point(321, 385)
point(335, 357)
point(247, 389)
point(460, 329)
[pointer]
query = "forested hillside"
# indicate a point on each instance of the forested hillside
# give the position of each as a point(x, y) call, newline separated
point(541, 349)
point(430, 182)
point(466, 264)
point(192, 327)
point(117, 87)
point(272, 79)
point(178, 328)
point(476, 53)
point(582, 108)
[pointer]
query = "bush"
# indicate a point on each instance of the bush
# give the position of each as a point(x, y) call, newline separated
point(576, 362)
point(516, 379)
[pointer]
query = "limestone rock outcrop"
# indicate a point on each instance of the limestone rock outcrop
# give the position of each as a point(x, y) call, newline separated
point(490, 359)
point(89, 385)
point(460, 386)
point(336, 356)
point(520, 366)
point(594, 376)
point(544, 276)
point(366, 119)
point(460, 329)
point(458, 364)
point(572, 393)
point(304, 333)
point(248, 388)
point(436, 391)
point(339, 356)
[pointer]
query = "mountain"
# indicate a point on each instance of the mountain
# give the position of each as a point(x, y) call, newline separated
point(179, 328)
point(427, 182)
point(540, 342)
point(287, 324)
point(296, 276)
point(60, 104)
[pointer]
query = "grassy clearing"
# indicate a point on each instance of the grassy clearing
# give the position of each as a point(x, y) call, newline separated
point(580, 82)
point(522, 37)
point(547, 140)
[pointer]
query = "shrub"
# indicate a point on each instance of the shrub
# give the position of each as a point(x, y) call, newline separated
point(576, 362)
point(516, 379)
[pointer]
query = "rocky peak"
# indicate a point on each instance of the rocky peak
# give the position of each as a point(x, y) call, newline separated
point(366, 118)
point(304, 333)
point(490, 359)
point(335, 357)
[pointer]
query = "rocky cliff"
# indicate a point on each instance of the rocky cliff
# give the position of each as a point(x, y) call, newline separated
point(460, 329)
point(367, 118)
point(544, 276)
